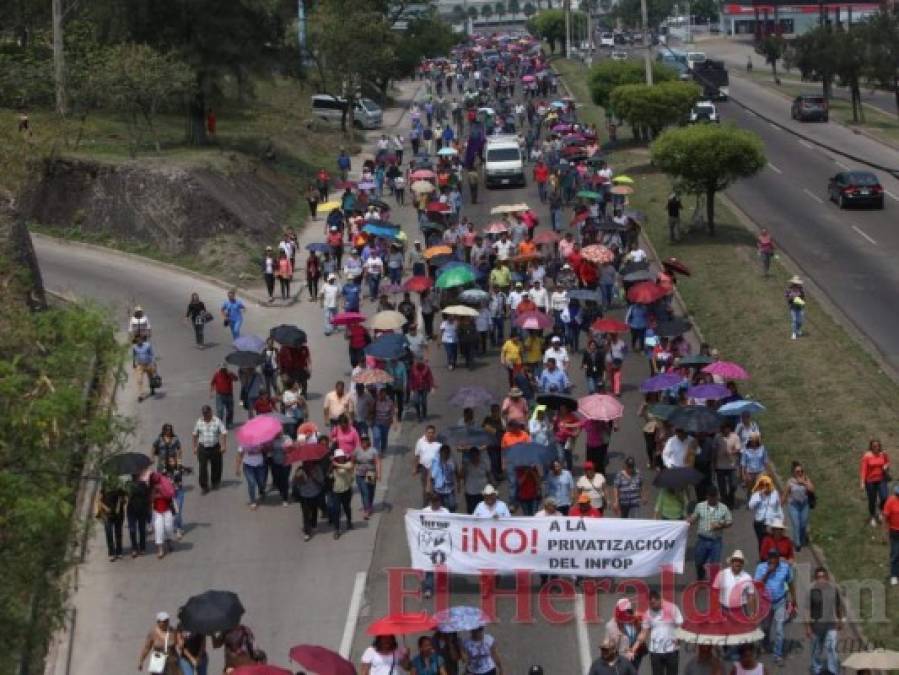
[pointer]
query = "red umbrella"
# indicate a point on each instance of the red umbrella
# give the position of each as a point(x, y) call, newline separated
point(646, 293)
point(609, 326)
point(347, 318)
point(418, 284)
point(496, 228)
point(597, 253)
point(534, 321)
point(344, 184)
point(438, 207)
point(308, 452)
point(422, 174)
point(546, 237)
point(402, 624)
point(676, 265)
point(321, 661)
point(261, 669)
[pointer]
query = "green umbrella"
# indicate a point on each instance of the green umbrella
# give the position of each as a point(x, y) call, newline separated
point(662, 411)
point(588, 194)
point(455, 276)
point(695, 360)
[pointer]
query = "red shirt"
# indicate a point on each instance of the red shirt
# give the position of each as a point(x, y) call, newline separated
point(891, 512)
point(528, 487)
point(357, 336)
point(541, 173)
point(872, 467)
point(223, 382)
point(263, 406)
point(783, 545)
point(293, 358)
point(576, 511)
point(420, 377)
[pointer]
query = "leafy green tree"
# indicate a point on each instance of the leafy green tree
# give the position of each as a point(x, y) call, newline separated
point(500, 8)
point(472, 12)
point(706, 159)
point(850, 49)
point(514, 7)
point(772, 48)
point(607, 75)
point(529, 9)
point(550, 26)
point(487, 10)
point(628, 12)
point(813, 55)
point(652, 108)
point(705, 10)
point(882, 32)
point(139, 81)
point(459, 14)
point(426, 36)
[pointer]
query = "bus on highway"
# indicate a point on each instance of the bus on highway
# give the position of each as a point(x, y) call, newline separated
point(675, 59)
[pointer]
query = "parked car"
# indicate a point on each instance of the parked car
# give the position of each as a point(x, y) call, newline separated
point(607, 40)
point(855, 187)
point(809, 108)
point(619, 56)
point(704, 111)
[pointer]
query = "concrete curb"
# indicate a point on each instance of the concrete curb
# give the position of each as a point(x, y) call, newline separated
point(242, 292)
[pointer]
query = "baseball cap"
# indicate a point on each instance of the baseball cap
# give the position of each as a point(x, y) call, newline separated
point(589, 465)
point(555, 339)
point(488, 490)
point(339, 453)
point(162, 616)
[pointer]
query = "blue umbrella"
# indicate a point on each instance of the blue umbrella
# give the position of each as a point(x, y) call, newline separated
point(318, 247)
point(472, 397)
point(739, 407)
point(388, 347)
point(660, 382)
point(528, 454)
point(466, 437)
point(380, 231)
point(249, 343)
point(474, 295)
point(585, 295)
point(557, 104)
point(458, 619)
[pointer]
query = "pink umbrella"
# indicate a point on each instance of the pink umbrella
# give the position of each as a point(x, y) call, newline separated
point(347, 318)
point(423, 174)
point(261, 669)
point(600, 407)
point(727, 370)
point(534, 321)
point(528, 78)
point(597, 253)
point(258, 431)
point(496, 228)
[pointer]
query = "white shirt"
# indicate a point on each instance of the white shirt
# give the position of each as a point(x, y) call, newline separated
point(560, 354)
point(540, 298)
point(139, 326)
point(374, 265)
point(498, 510)
point(439, 509)
point(426, 451)
point(515, 297)
point(558, 300)
point(637, 255)
point(330, 295)
point(733, 589)
point(384, 664)
point(503, 249)
point(287, 246)
point(674, 454)
point(593, 488)
point(662, 627)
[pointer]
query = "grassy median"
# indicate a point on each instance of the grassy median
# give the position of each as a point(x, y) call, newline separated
point(825, 396)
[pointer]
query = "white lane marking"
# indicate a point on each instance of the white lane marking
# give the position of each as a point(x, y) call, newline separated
point(774, 168)
point(864, 234)
point(813, 195)
point(891, 195)
point(583, 637)
point(841, 164)
point(806, 144)
point(352, 616)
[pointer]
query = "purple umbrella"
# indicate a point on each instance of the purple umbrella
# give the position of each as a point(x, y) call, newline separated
point(708, 392)
point(660, 382)
point(472, 397)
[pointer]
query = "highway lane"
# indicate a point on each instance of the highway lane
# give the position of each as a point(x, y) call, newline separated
point(849, 253)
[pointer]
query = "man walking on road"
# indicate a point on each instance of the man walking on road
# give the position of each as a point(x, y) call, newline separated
point(232, 313)
point(659, 633)
point(222, 388)
point(426, 451)
point(712, 517)
point(826, 617)
point(144, 362)
point(777, 578)
point(210, 443)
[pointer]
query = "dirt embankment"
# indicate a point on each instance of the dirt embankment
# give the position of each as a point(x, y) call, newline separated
point(20, 276)
point(215, 219)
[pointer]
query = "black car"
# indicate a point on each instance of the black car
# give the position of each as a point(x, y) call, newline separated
point(808, 108)
point(855, 187)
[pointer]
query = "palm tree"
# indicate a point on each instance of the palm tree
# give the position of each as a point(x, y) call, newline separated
point(500, 10)
point(487, 10)
point(472, 12)
point(459, 14)
point(529, 9)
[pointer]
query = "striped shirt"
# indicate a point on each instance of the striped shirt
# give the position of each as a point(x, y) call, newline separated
point(209, 433)
point(628, 488)
point(707, 515)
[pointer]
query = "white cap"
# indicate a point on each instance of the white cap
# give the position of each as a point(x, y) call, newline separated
point(488, 490)
point(556, 338)
point(332, 277)
point(162, 616)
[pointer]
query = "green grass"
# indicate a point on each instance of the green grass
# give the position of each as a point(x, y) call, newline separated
point(825, 396)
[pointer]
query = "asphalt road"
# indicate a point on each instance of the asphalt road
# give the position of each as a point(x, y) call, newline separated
point(296, 592)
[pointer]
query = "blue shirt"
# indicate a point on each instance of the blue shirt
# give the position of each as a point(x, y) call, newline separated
point(343, 162)
point(443, 475)
point(143, 353)
point(553, 380)
point(776, 584)
point(559, 487)
point(351, 297)
point(233, 309)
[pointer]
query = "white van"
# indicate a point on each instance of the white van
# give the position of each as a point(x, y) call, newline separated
point(503, 163)
point(693, 58)
point(607, 40)
point(366, 113)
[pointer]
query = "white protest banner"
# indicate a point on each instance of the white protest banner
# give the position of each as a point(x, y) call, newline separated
point(599, 547)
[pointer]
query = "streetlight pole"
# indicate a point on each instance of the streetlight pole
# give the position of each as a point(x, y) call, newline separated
point(567, 29)
point(647, 43)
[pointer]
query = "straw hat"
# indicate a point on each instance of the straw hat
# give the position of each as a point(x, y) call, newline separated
point(796, 280)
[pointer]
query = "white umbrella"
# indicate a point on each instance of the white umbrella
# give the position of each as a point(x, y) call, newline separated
point(387, 320)
point(509, 208)
point(876, 659)
point(460, 310)
point(422, 186)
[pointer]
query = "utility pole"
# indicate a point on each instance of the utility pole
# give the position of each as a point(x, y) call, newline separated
point(567, 29)
point(589, 36)
point(59, 57)
point(647, 42)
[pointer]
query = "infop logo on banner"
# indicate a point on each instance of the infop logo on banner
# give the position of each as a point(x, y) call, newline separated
point(434, 539)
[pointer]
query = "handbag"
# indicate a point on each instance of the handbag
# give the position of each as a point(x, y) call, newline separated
point(155, 381)
point(159, 659)
point(207, 317)
point(812, 499)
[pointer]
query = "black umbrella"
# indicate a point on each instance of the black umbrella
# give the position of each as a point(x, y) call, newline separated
point(678, 478)
point(612, 226)
point(637, 275)
point(556, 401)
point(636, 216)
point(288, 335)
point(696, 419)
point(673, 328)
point(129, 463)
point(378, 204)
point(211, 612)
point(632, 267)
point(695, 361)
point(528, 454)
point(431, 226)
point(466, 437)
point(245, 359)
point(585, 295)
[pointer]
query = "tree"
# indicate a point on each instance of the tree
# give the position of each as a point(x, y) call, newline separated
point(607, 75)
point(426, 36)
point(882, 32)
point(514, 7)
point(487, 10)
point(550, 26)
point(500, 10)
point(628, 12)
point(652, 108)
point(812, 53)
point(459, 14)
point(472, 12)
point(772, 48)
point(850, 51)
point(139, 81)
point(529, 9)
point(706, 159)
